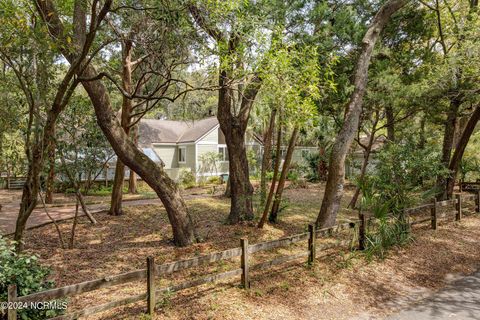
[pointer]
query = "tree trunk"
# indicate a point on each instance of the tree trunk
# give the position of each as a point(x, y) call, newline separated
point(447, 146)
point(363, 171)
point(283, 176)
point(51, 172)
point(390, 123)
point(366, 159)
point(241, 190)
point(322, 167)
point(460, 150)
point(132, 180)
point(234, 127)
point(127, 152)
point(32, 183)
point(275, 174)
point(266, 157)
point(336, 173)
point(117, 188)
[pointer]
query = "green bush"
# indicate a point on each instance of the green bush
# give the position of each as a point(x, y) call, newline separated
point(390, 228)
point(187, 179)
point(214, 180)
point(405, 174)
point(26, 272)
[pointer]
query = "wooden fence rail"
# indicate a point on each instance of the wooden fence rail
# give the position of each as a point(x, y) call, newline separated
point(152, 272)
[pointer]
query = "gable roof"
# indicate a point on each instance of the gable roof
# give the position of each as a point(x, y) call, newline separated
point(168, 131)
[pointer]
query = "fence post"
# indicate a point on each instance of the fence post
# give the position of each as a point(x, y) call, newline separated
point(434, 214)
point(458, 206)
point(362, 231)
point(151, 286)
point(244, 264)
point(477, 202)
point(311, 244)
point(12, 297)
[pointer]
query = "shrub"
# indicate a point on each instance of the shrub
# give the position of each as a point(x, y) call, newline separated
point(389, 230)
point(26, 272)
point(214, 180)
point(187, 179)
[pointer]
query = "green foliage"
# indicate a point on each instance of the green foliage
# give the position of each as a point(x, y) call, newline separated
point(83, 149)
point(388, 230)
point(209, 162)
point(253, 161)
point(402, 174)
point(187, 178)
point(214, 180)
point(387, 233)
point(25, 271)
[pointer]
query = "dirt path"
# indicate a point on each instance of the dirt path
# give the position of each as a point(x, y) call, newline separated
point(460, 300)
point(9, 213)
point(64, 207)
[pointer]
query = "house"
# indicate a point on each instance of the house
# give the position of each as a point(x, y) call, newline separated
point(186, 145)
point(357, 155)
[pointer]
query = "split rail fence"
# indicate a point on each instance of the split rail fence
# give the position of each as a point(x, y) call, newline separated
point(153, 272)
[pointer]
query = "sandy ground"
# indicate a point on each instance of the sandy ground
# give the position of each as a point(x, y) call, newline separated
point(342, 285)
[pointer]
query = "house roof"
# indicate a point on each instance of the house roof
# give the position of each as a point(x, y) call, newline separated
point(168, 131)
point(147, 151)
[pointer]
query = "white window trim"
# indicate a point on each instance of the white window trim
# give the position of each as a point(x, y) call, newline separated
point(185, 153)
point(222, 146)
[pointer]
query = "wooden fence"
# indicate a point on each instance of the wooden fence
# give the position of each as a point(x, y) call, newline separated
point(153, 272)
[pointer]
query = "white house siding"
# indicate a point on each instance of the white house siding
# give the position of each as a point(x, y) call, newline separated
point(190, 156)
point(168, 154)
point(211, 137)
point(206, 148)
point(297, 156)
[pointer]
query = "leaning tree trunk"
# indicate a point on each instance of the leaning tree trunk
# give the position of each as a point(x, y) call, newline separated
point(127, 152)
point(283, 176)
point(460, 150)
point(132, 180)
point(50, 186)
point(336, 174)
point(447, 146)
point(32, 183)
point(263, 219)
point(118, 180)
point(266, 157)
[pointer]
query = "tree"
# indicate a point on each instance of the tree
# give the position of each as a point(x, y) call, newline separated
point(40, 132)
point(124, 147)
point(336, 174)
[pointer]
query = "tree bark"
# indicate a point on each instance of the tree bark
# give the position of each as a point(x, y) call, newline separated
point(234, 127)
point(234, 106)
point(51, 171)
point(365, 162)
point(283, 176)
point(460, 150)
point(447, 146)
point(132, 180)
point(336, 174)
point(263, 219)
point(127, 152)
point(390, 123)
point(266, 157)
point(117, 188)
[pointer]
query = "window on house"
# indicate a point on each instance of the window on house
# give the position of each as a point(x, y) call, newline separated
point(182, 154)
point(223, 151)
